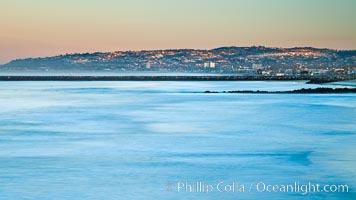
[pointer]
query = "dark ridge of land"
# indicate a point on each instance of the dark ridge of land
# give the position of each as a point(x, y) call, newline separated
point(300, 91)
point(152, 78)
point(312, 79)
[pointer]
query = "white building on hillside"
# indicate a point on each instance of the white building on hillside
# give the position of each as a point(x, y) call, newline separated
point(209, 65)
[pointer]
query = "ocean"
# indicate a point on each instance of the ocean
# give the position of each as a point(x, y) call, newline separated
point(170, 140)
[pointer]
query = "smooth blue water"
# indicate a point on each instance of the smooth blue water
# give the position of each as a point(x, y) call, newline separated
point(138, 140)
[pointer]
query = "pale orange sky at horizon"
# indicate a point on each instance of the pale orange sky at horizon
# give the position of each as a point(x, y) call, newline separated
point(48, 27)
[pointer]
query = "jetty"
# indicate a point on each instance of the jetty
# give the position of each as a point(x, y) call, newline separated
point(309, 79)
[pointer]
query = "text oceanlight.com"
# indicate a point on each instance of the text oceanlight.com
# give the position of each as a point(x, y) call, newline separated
point(261, 187)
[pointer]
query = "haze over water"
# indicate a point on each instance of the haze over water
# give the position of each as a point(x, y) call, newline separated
point(137, 140)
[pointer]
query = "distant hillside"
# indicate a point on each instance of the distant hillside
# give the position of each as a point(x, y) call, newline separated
point(190, 60)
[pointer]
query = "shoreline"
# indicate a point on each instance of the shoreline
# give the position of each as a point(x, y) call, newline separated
point(308, 79)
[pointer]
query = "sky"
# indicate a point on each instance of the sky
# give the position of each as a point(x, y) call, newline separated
point(39, 28)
